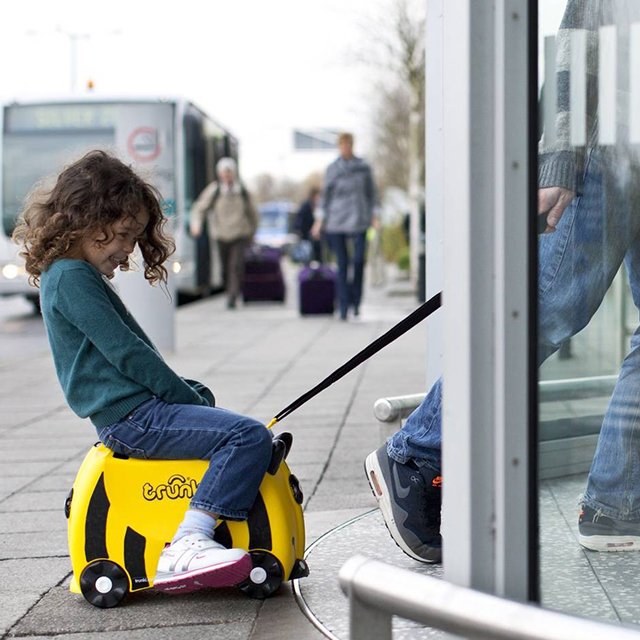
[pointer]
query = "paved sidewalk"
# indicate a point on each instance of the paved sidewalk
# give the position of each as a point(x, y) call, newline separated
point(257, 359)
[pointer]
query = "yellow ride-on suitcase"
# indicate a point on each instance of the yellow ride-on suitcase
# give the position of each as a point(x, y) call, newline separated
point(122, 511)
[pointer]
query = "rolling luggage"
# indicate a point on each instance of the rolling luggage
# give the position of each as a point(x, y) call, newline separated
point(317, 290)
point(263, 279)
point(122, 511)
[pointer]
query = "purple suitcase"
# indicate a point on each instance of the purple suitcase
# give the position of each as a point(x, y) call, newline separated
point(263, 279)
point(317, 286)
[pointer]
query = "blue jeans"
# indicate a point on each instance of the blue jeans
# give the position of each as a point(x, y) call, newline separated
point(238, 448)
point(576, 266)
point(350, 252)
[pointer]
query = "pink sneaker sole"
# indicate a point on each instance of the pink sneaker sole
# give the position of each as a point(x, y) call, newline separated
point(226, 575)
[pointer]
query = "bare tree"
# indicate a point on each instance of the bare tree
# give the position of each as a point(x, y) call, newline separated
point(390, 134)
point(397, 51)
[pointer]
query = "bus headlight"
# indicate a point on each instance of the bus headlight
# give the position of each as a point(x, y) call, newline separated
point(10, 271)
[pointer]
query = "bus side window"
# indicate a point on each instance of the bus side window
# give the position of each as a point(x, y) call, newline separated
point(195, 159)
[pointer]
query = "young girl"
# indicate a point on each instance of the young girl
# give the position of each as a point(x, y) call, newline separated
point(74, 238)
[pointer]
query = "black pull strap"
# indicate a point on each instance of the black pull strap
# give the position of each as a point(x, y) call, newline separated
point(422, 312)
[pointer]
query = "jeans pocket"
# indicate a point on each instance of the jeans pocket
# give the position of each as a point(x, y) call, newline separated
point(122, 448)
point(126, 438)
point(139, 417)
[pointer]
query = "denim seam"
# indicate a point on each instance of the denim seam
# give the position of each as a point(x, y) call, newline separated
point(604, 510)
point(227, 513)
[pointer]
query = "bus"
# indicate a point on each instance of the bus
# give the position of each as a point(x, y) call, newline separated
point(168, 140)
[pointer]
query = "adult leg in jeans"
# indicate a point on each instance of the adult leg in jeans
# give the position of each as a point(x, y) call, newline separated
point(338, 244)
point(600, 232)
point(613, 486)
point(359, 244)
point(577, 264)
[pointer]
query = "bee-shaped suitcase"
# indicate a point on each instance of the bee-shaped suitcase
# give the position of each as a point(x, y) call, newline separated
point(122, 511)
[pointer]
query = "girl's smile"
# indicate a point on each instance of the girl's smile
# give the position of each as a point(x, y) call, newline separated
point(108, 252)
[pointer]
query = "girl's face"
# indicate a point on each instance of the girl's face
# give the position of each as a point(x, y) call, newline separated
point(107, 256)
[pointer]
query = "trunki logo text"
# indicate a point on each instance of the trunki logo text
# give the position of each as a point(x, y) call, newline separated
point(176, 487)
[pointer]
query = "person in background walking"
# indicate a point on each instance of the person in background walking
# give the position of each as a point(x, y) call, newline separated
point(346, 211)
point(304, 223)
point(232, 222)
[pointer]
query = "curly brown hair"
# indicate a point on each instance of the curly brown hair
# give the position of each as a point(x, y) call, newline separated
point(89, 196)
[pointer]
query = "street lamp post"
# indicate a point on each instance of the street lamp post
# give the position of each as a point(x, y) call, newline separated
point(73, 54)
point(74, 37)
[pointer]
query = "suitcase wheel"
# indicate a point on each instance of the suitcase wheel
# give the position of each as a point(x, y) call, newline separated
point(104, 584)
point(265, 577)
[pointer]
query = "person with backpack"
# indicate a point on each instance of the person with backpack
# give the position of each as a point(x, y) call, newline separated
point(232, 221)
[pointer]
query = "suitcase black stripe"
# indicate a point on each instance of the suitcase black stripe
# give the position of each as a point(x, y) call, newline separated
point(259, 526)
point(95, 529)
point(134, 548)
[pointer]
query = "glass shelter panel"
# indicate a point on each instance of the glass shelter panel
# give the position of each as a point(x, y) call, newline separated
point(588, 297)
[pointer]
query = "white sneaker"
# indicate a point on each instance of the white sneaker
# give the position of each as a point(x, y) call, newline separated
point(196, 562)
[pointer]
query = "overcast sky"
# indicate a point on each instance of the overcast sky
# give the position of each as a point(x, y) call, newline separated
point(255, 66)
point(259, 67)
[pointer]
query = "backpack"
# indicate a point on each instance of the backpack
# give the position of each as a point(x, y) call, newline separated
point(216, 195)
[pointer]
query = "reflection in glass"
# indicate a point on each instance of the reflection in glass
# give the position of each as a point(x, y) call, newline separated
point(588, 298)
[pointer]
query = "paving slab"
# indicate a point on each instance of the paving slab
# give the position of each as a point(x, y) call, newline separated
point(257, 360)
point(59, 612)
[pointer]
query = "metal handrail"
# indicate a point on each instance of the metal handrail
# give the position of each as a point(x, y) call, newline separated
point(576, 388)
point(396, 407)
point(377, 591)
point(399, 407)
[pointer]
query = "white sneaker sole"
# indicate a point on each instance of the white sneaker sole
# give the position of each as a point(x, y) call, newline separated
point(610, 543)
point(226, 574)
point(381, 494)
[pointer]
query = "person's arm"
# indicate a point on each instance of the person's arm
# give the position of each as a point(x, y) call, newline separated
point(303, 211)
point(320, 212)
point(199, 209)
point(372, 197)
point(561, 165)
point(202, 390)
point(252, 212)
point(84, 302)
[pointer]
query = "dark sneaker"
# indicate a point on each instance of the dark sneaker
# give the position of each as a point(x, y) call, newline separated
point(409, 499)
point(601, 533)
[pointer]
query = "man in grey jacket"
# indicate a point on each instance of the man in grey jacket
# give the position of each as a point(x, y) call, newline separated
point(345, 214)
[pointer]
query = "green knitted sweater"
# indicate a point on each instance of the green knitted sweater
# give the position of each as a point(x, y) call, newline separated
point(105, 362)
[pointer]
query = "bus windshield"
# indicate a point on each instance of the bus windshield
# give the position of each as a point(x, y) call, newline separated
point(30, 158)
point(36, 145)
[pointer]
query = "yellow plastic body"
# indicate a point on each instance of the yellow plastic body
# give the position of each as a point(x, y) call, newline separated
point(126, 510)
